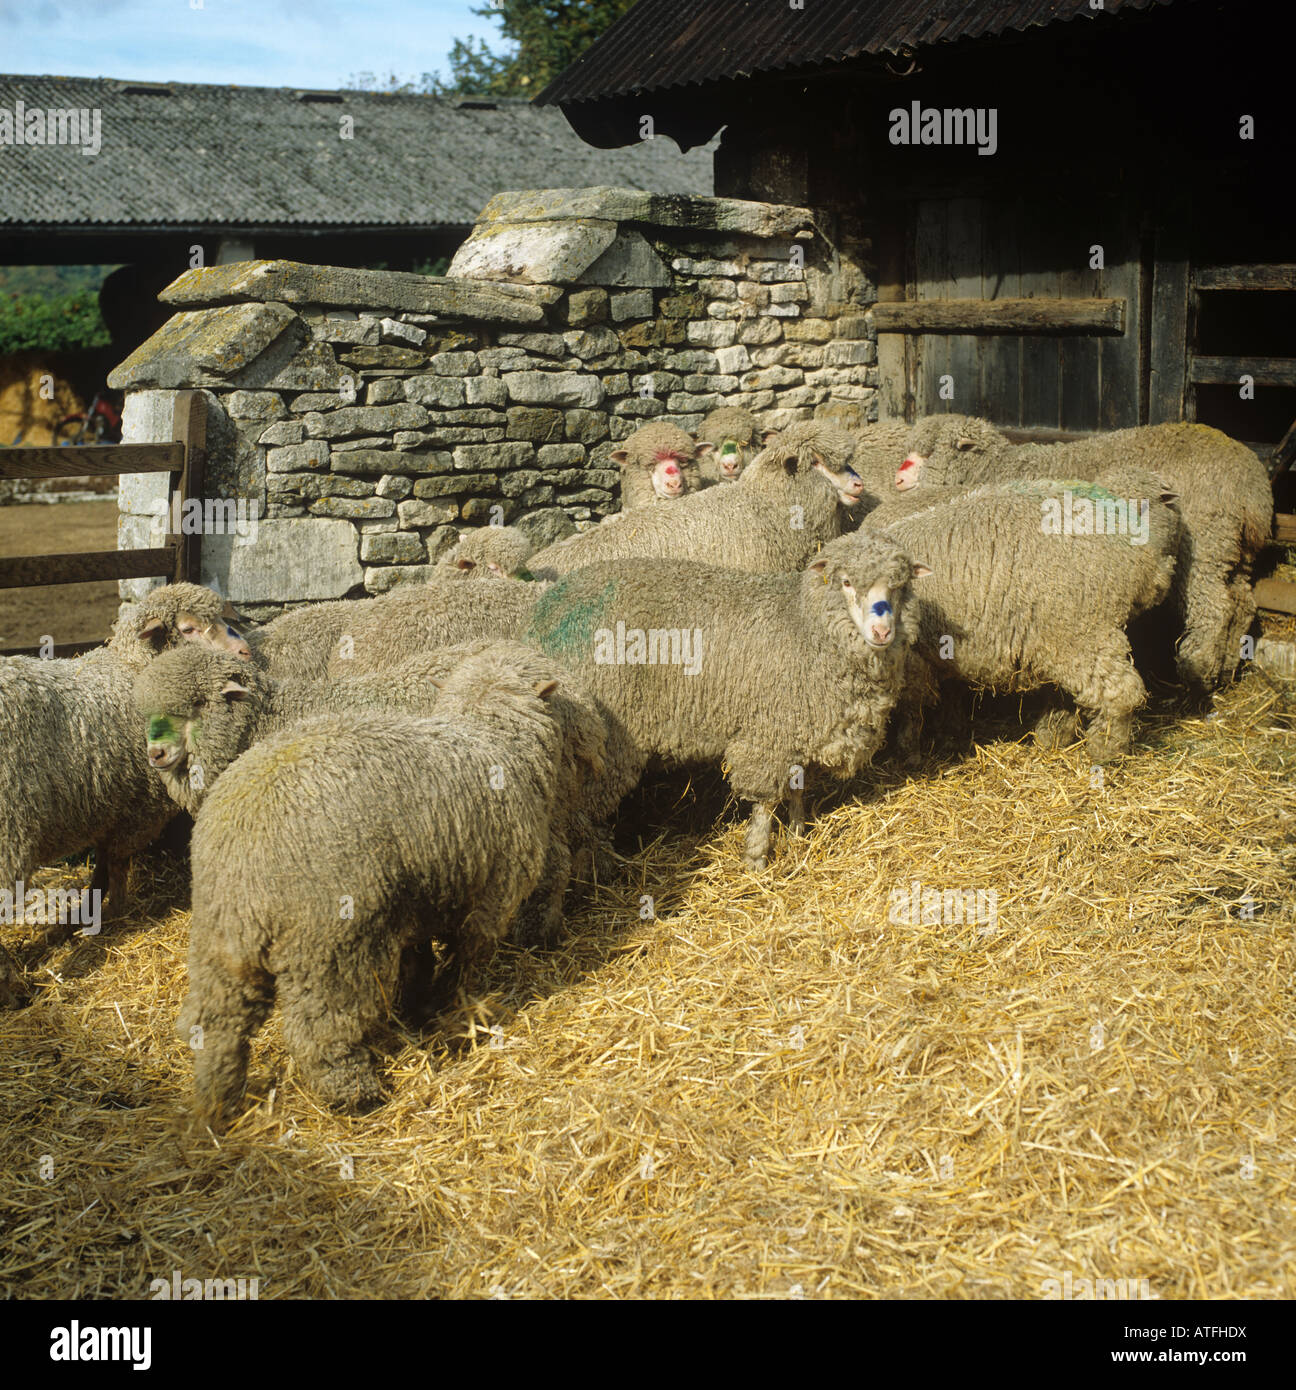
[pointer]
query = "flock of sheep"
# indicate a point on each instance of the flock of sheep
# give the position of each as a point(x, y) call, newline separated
point(369, 778)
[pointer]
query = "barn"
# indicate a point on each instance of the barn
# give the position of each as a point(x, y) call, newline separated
point(1038, 243)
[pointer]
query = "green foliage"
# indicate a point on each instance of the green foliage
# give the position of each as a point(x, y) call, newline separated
point(550, 35)
point(59, 323)
point(51, 281)
point(547, 36)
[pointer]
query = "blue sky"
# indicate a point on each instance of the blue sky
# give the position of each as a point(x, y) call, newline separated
point(261, 43)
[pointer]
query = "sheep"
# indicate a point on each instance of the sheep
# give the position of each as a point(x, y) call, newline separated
point(73, 774)
point(356, 839)
point(658, 461)
point(201, 710)
point(734, 436)
point(764, 674)
point(1225, 500)
point(352, 636)
point(782, 508)
point(490, 550)
point(1037, 582)
point(879, 450)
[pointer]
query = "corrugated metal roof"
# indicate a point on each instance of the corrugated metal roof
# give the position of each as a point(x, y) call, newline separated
point(675, 43)
point(205, 156)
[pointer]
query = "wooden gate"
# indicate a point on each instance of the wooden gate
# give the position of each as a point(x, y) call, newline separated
point(177, 559)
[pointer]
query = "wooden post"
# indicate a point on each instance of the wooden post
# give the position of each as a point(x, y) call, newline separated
point(189, 428)
point(1167, 398)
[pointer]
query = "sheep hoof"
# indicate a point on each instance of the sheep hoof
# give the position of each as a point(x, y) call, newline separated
point(756, 864)
point(1056, 729)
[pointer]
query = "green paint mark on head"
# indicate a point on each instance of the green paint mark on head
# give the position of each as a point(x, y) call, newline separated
point(161, 730)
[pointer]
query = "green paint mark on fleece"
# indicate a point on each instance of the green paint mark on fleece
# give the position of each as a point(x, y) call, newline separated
point(1052, 487)
point(564, 625)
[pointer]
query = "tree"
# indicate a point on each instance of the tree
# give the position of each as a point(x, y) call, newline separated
point(548, 36)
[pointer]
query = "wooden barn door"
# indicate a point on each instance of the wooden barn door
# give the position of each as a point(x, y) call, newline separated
point(1064, 356)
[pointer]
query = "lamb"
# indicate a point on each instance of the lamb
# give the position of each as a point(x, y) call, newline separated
point(783, 507)
point(1225, 500)
point(203, 710)
point(490, 550)
point(328, 641)
point(1038, 581)
point(422, 829)
point(658, 461)
point(73, 774)
point(765, 674)
point(734, 436)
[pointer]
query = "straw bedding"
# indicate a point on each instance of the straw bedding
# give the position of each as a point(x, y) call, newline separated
point(771, 1090)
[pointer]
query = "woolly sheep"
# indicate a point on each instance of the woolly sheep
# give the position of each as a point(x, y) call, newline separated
point(354, 636)
point(356, 838)
point(734, 437)
point(1019, 602)
point(73, 774)
point(781, 510)
point(490, 550)
point(203, 710)
point(765, 674)
point(1224, 496)
point(658, 461)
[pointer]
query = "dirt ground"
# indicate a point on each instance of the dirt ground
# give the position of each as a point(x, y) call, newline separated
point(66, 612)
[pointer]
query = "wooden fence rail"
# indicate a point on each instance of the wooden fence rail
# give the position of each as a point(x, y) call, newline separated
point(179, 558)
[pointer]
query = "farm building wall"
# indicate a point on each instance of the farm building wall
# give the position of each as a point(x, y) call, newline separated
point(369, 415)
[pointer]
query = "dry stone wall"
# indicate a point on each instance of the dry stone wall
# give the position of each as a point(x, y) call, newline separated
point(371, 415)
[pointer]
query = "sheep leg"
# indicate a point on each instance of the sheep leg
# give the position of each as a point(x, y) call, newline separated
point(796, 813)
point(1100, 676)
point(1208, 652)
point(330, 1007)
point(1056, 728)
point(540, 922)
point(217, 1021)
point(759, 832)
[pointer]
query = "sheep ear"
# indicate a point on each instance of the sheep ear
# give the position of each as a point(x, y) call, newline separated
point(432, 680)
point(618, 455)
point(704, 448)
point(769, 437)
point(465, 564)
point(495, 569)
point(154, 631)
point(819, 566)
point(921, 571)
point(962, 443)
point(545, 688)
point(232, 691)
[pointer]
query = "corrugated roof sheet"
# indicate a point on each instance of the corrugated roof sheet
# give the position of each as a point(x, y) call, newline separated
point(191, 155)
point(674, 43)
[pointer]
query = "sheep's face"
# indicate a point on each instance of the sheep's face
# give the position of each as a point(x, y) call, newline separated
point(731, 459)
point(849, 484)
point(942, 438)
point(216, 633)
point(875, 604)
point(909, 474)
point(179, 738)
